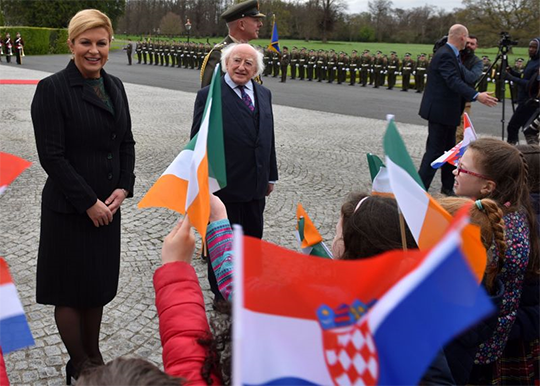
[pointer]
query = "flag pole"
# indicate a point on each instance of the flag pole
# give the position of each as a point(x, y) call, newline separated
point(402, 230)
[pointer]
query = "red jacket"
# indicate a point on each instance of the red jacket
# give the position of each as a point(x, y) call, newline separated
point(182, 321)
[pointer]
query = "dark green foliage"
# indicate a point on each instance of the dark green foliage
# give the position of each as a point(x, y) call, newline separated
point(55, 13)
point(40, 41)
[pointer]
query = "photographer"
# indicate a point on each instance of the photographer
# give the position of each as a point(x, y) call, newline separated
point(526, 105)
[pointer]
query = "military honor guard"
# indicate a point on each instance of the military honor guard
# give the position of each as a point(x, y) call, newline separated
point(284, 63)
point(377, 69)
point(365, 63)
point(321, 66)
point(129, 51)
point(302, 60)
point(354, 62)
point(332, 65)
point(421, 72)
point(294, 62)
point(486, 64)
point(311, 63)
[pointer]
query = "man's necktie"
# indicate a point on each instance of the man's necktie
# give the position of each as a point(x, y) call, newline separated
point(245, 97)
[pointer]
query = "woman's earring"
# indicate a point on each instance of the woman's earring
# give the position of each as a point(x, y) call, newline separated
point(72, 56)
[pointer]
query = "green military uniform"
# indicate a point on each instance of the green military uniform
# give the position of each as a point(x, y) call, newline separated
point(266, 61)
point(237, 11)
point(393, 69)
point(421, 71)
point(383, 72)
point(483, 85)
point(311, 63)
point(354, 62)
point(496, 78)
point(365, 64)
point(321, 66)
point(284, 61)
point(342, 65)
point(294, 62)
point(150, 46)
point(331, 65)
point(144, 51)
point(302, 60)
point(138, 51)
point(378, 63)
point(407, 68)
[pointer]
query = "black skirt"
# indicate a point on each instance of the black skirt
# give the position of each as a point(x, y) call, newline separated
point(78, 264)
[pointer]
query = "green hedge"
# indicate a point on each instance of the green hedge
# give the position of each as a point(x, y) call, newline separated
point(40, 41)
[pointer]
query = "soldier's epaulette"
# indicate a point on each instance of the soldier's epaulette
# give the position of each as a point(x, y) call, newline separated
point(217, 47)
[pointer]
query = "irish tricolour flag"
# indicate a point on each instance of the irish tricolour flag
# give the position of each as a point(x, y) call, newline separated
point(198, 170)
point(426, 219)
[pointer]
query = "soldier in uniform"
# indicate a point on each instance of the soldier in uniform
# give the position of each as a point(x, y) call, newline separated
point(371, 70)
point(311, 63)
point(393, 68)
point(294, 62)
point(342, 64)
point(365, 63)
point(243, 22)
point(407, 68)
point(354, 62)
point(486, 64)
point(321, 66)
point(284, 63)
point(266, 60)
point(157, 48)
point(129, 51)
point(421, 71)
point(19, 48)
point(275, 61)
point(302, 60)
point(8, 44)
point(138, 50)
point(166, 53)
point(331, 64)
point(383, 70)
point(144, 51)
point(377, 69)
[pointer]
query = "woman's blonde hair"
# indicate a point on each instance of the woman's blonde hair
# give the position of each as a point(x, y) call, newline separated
point(88, 19)
point(486, 214)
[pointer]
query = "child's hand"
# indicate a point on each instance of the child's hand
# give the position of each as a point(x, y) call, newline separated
point(179, 244)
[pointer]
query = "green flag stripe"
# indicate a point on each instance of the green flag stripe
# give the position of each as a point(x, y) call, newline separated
point(215, 146)
point(395, 149)
point(374, 163)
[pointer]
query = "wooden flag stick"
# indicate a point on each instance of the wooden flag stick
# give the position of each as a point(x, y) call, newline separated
point(402, 229)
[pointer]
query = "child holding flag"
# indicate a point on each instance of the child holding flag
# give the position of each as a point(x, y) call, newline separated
point(493, 169)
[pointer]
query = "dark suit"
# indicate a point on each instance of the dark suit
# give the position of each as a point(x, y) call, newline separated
point(442, 105)
point(250, 156)
point(87, 152)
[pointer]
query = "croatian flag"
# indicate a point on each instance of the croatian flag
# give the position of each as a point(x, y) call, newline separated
point(453, 155)
point(14, 330)
point(308, 321)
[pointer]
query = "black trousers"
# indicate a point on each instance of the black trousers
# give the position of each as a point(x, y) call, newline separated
point(440, 138)
point(250, 216)
point(521, 116)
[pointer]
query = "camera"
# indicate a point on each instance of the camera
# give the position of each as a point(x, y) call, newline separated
point(506, 40)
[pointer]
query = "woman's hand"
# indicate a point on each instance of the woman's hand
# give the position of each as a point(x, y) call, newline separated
point(179, 244)
point(115, 199)
point(217, 209)
point(100, 214)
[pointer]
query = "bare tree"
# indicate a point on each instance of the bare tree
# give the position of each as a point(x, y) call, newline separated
point(171, 24)
point(380, 9)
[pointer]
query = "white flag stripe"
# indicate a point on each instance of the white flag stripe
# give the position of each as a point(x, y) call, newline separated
point(406, 189)
point(10, 305)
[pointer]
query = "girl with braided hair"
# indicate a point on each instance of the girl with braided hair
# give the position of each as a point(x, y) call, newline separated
point(491, 168)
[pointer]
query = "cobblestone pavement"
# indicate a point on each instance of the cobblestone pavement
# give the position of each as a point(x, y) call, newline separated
point(321, 158)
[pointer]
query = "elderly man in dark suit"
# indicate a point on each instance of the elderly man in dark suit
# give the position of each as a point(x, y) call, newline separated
point(442, 105)
point(248, 131)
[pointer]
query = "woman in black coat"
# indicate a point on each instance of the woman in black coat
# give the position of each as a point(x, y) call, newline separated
point(83, 134)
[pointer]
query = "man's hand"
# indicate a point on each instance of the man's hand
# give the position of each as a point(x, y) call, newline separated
point(487, 99)
point(100, 214)
point(269, 189)
point(179, 244)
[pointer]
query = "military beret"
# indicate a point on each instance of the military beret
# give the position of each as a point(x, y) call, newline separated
point(520, 60)
point(379, 52)
point(285, 47)
point(407, 54)
point(392, 52)
point(354, 51)
point(238, 11)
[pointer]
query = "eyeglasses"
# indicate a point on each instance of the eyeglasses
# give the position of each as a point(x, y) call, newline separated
point(461, 170)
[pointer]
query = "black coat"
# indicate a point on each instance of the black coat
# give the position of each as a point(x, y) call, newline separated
point(250, 152)
point(446, 92)
point(87, 151)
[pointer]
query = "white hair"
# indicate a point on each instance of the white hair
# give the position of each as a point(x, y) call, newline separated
point(227, 51)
